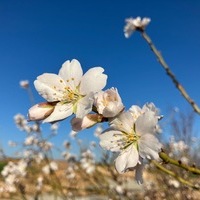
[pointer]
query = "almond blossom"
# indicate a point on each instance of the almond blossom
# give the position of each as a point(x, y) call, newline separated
point(72, 91)
point(133, 24)
point(108, 103)
point(133, 136)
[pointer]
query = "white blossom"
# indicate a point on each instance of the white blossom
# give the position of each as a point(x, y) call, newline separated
point(71, 90)
point(174, 183)
point(24, 84)
point(98, 131)
point(87, 161)
point(132, 134)
point(133, 24)
point(108, 103)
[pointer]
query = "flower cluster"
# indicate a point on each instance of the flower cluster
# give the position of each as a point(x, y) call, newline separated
point(12, 172)
point(132, 133)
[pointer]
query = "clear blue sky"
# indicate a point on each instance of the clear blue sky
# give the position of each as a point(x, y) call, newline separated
point(38, 36)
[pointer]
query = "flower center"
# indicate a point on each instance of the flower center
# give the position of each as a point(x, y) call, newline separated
point(71, 96)
point(131, 138)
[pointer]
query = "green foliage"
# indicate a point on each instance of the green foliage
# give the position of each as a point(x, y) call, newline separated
point(2, 165)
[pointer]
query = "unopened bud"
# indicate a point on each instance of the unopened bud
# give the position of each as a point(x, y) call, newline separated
point(40, 111)
point(88, 121)
point(24, 84)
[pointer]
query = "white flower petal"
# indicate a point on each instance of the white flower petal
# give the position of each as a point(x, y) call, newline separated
point(138, 172)
point(124, 122)
point(84, 106)
point(146, 123)
point(93, 81)
point(110, 140)
point(61, 111)
point(50, 86)
point(128, 158)
point(71, 72)
point(135, 111)
point(149, 146)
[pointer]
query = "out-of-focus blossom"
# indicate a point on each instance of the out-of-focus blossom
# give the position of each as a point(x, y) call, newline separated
point(174, 183)
point(39, 183)
point(35, 127)
point(93, 144)
point(30, 140)
point(70, 158)
point(54, 127)
point(87, 121)
point(87, 161)
point(38, 157)
point(133, 24)
point(20, 121)
point(119, 189)
point(98, 130)
point(45, 145)
point(71, 90)
point(52, 166)
point(22, 124)
point(72, 134)
point(67, 144)
point(12, 144)
point(24, 84)
point(184, 160)
point(12, 173)
point(40, 111)
point(71, 172)
point(46, 169)
point(108, 103)
point(133, 135)
point(177, 147)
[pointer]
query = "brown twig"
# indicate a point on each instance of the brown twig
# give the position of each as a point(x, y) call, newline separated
point(170, 73)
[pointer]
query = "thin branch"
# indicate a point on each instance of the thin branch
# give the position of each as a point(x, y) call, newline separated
point(169, 72)
point(171, 173)
point(178, 163)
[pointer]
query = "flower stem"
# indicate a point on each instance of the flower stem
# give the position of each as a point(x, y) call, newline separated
point(169, 72)
point(171, 173)
point(178, 163)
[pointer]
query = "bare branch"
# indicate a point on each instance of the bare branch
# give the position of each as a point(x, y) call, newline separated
point(169, 72)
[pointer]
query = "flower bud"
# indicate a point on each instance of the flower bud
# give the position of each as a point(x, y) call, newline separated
point(108, 103)
point(89, 120)
point(24, 84)
point(40, 111)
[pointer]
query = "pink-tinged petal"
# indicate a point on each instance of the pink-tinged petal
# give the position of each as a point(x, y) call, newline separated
point(40, 111)
point(139, 171)
point(128, 158)
point(71, 72)
point(84, 106)
point(50, 87)
point(111, 140)
point(108, 103)
point(60, 112)
point(146, 123)
point(149, 146)
point(88, 121)
point(93, 81)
